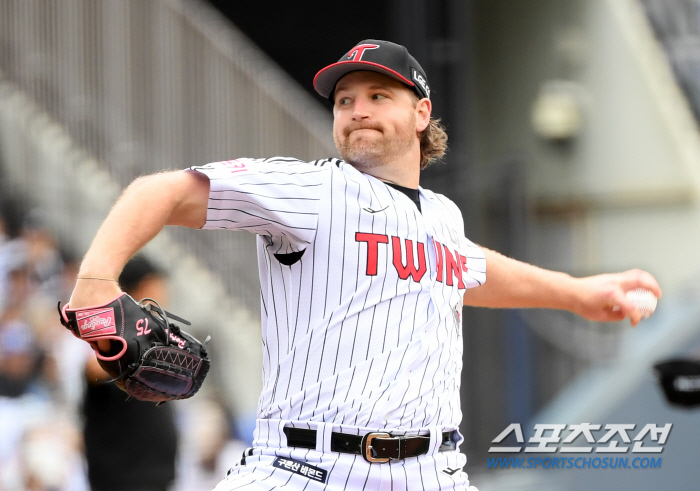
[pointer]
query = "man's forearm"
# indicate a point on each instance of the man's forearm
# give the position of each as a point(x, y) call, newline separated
point(512, 284)
point(135, 219)
point(144, 208)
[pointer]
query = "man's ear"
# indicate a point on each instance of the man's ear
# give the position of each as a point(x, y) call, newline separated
point(423, 110)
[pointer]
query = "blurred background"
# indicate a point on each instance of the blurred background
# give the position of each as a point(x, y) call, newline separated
point(574, 145)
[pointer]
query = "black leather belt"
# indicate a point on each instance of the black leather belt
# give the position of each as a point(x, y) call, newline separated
point(374, 447)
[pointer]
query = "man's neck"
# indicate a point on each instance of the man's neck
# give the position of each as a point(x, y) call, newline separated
point(408, 177)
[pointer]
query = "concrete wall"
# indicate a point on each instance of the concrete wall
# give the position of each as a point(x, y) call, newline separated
point(623, 191)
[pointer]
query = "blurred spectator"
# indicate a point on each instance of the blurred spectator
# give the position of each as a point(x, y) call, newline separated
point(36, 425)
point(208, 451)
point(12, 249)
point(20, 358)
point(41, 444)
point(129, 446)
point(43, 259)
point(43, 395)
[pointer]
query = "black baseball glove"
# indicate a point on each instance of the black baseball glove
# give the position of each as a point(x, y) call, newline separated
point(150, 358)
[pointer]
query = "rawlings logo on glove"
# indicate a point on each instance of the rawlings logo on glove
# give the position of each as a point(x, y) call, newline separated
point(151, 358)
point(95, 322)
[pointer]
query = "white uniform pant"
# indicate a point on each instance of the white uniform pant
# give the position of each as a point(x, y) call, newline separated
point(280, 467)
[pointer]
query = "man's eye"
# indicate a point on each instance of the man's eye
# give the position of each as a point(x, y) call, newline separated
point(343, 101)
point(378, 96)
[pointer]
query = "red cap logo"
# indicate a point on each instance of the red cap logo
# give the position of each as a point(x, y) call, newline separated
point(356, 53)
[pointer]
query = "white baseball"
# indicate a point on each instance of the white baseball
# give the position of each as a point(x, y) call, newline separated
point(645, 301)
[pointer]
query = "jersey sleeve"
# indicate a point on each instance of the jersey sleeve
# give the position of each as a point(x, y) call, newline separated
point(273, 197)
point(475, 267)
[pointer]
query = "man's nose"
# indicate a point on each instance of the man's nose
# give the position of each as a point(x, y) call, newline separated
point(360, 109)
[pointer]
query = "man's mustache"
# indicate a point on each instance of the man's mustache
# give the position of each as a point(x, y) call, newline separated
point(362, 126)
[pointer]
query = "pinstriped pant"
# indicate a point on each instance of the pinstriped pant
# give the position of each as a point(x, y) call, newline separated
point(273, 467)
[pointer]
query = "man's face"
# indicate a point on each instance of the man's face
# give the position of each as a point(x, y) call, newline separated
point(374, 119)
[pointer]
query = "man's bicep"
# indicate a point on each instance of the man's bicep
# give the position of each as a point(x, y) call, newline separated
point(192, 208)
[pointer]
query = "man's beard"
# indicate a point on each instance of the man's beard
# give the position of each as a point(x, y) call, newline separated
point(367, 153)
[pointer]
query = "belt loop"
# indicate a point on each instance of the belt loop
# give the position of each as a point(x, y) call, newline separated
point(323, 437)
point(435, 440)
point(282, 435)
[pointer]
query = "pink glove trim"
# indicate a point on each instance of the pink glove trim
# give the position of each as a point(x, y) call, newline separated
point(66, 306)
point(94, 347)
point(92, 339)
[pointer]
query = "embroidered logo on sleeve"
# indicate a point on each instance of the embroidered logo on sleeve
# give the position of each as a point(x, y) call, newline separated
point(224, 169)
point(234, 166)
point(301, 468)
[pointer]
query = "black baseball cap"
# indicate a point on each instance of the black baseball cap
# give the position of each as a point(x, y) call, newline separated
point(379, 56)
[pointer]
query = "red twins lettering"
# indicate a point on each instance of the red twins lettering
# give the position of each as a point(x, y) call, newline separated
point(410, 268)
point(438, 260)
point(453, 268)
point(454, 265)
point(448, 265)
point(372, 249)
point(403, 270)
point(356, 53)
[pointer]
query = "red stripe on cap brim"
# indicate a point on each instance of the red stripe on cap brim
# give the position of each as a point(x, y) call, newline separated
point(326, 78)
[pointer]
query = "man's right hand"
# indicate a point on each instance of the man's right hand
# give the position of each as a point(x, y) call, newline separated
point(89, 292)
point(144, 208)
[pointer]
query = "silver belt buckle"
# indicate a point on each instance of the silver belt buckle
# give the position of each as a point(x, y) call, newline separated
point(367, 447)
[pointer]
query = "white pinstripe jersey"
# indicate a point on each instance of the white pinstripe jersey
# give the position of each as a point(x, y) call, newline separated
point(364, 330)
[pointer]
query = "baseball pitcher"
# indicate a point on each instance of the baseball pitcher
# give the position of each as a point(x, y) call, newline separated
point(364, 275)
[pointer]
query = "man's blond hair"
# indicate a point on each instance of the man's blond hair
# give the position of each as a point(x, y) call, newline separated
point(433, 143)
point(433, 139)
